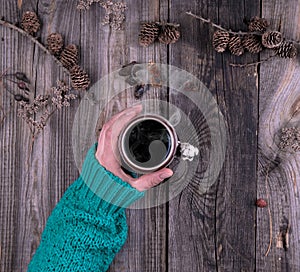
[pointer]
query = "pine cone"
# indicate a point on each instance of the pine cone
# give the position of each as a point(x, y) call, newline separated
point(258, 24)
point(271, 39)
point(55, 43)
point(30, 22)
point(220, 40)
point(252, 43)
point(286, 50)
point(80, 79)
point(149, 33)
point(235, 46)
point(69, 56)
point(169, 34)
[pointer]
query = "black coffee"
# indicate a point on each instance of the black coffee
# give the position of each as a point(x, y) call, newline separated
point(149, 143)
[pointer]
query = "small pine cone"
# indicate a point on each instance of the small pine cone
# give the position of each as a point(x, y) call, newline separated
point(220, 40)
point(271, 39)
point(169, 34)
point(252, 43)
point(30, 22)
point(55, 43)
point(286, 50)
point(258, 24)
point(149, 33)
point(69, 56)
point(235, 46)
point(80, 79)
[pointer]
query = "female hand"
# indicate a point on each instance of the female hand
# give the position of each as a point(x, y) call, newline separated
point(107, 151)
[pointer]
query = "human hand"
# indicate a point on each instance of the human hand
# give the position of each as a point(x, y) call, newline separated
point(107, 151)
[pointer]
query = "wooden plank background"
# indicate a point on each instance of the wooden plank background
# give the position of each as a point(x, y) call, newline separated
point(219, 231)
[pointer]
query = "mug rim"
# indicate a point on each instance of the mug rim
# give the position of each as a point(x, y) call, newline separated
point(166, 161)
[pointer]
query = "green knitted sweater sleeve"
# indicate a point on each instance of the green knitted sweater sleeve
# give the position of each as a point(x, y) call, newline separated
point(88, 226)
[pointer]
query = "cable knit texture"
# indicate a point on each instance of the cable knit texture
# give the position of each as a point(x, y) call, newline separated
point(88, 226)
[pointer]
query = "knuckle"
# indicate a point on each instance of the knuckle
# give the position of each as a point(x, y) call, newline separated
point(137, 185)
point(153, 182)
point(108, 132)
point(104, 127)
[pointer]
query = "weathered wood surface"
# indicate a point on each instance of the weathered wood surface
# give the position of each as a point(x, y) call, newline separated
point(279, 92)
point(219, 231)
point(216, 231)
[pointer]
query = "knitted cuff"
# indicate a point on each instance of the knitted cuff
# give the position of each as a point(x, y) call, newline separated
point(113, 193)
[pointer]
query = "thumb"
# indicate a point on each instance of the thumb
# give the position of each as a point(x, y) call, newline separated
point(148, 181)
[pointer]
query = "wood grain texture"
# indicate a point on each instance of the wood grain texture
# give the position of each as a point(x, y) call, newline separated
point(217, 230)
point(37, 180)
point(30, 200)
point(220, 230)
point(279, 91)
point(145, 248)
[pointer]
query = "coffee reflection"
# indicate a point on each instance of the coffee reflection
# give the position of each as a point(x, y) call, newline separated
point(149, 143)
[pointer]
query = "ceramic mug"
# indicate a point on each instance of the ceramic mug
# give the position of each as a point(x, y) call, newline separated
point(147, 144)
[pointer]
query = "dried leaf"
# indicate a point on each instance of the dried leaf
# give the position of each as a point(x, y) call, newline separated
point(19, 97)
point(22, 77)
point(20, 4)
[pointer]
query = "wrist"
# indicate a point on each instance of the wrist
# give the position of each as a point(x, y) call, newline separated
point(111, 192)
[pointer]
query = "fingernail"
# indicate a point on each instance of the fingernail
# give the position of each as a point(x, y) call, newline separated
point(165, 175)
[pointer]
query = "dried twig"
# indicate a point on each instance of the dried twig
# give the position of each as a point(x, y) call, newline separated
point(271, 232)
point(270, 215)
point(208, 21)
point(58, 98)
point(114, 11)
point(251, 63)
point(34, 40)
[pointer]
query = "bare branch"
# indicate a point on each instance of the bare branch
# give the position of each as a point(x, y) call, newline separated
point(252, 63)
point(208, 21)
point(35, 41)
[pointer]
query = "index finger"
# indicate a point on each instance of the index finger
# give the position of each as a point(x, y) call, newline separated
point(122, 117)
point(135, 109)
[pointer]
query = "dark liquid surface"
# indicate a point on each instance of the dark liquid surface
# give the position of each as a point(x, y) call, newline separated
point(148, 143)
